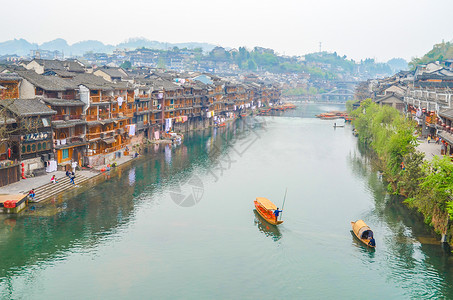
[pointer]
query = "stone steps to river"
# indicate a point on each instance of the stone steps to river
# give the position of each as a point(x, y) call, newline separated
point(52, 189)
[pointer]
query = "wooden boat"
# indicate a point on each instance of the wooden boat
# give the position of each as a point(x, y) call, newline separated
point(332, 115)
point(338, 124)
point(362, 232)
point(266, 210)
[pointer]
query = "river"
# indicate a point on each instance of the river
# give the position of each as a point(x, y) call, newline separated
point(179, 223)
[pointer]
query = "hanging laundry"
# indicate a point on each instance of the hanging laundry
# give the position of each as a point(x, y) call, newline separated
point(132, 130)
point(120, 101)
point(167, 124)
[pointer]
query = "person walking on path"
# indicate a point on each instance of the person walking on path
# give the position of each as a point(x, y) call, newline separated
point(429, 138)
point(71, 178)
point(53, 179)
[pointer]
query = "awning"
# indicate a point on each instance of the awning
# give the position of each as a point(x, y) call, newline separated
point(109, 140)
point(446, 136)
point(266, 203)
point(359, 227)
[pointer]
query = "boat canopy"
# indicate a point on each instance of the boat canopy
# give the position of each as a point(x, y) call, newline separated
point(360, 228)
point(266, 203)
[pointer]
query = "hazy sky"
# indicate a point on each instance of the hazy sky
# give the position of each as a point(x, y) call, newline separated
point(379, 29)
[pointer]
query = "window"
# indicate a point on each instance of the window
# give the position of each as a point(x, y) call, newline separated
point(33, 147)
point(28, 148)
point(45, 122)
point(44, 146)
point(23, 149)
point(39, 146)
point(65, 153)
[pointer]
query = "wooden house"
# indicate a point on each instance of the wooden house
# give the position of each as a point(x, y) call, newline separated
point(26, 133)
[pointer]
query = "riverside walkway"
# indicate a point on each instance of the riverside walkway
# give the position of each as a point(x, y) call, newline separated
point(45, 189)
point(430, 149)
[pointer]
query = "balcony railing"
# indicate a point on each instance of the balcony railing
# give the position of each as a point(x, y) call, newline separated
point(104, 116)
point(66, 117)
point(70, 140)
point(94, 135)
point(91, 117)
point(68, 97)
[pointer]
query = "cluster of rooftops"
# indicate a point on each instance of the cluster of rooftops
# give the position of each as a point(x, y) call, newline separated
point(86, 111)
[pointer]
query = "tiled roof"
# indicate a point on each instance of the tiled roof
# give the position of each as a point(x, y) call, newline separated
point(63, 65)
point(27, 107)
point(162, 84)
point(448, 113)
point(112, 72)
point(48, 83)
point(63, 102)
point(94, 82)
point(9, 76)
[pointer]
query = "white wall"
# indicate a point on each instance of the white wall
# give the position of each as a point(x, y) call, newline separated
point(26, 90)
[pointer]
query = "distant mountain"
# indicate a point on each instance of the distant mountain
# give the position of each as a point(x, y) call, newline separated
point(398, 64)
point(17, 46)
point(81, 48)
point(57, 44)
point(22, 47)
point(135, 43)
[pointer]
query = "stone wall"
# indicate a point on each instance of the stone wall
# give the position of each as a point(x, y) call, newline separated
point(32, 164)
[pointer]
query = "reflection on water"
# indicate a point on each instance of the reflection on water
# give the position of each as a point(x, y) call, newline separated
point(269, 230)
point(410, 248)
point(361, 246)
point(125, 237)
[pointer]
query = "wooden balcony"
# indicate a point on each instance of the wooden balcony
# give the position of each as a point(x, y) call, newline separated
point(66, 117)
point(69, 140)
point(91, 117)
point(95, 99)
point(94, 135)
point(104, 116)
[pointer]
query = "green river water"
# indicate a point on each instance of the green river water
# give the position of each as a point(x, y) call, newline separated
point(179, 223)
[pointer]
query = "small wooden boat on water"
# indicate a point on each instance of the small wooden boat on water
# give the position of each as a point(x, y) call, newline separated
point(362, 232)
point(340, 123)
point(266, 210)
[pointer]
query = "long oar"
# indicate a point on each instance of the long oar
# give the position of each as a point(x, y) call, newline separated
point(284, 199)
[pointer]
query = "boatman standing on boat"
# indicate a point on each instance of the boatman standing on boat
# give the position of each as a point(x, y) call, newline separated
point(276, 213)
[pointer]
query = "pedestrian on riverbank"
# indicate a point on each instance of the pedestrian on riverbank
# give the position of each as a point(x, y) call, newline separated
point(429, 138)
point(72, 177)
point(68, 173)
point(31, 194)
point(53, 179)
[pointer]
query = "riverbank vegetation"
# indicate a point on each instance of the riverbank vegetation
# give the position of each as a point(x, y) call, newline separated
point(427, 186)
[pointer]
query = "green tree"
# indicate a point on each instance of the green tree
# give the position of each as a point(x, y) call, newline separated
point(126, 65)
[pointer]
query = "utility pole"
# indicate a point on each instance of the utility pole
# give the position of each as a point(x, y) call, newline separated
point(320, 44)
